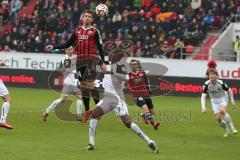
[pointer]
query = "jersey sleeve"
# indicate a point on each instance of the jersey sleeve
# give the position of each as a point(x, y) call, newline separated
point(225, 86)
point(70, 42)
point(99, 42)
point(146, 81)
point(205, 89)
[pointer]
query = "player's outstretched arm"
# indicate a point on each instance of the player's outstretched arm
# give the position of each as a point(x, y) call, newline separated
point(64, 45)
point(203, 102)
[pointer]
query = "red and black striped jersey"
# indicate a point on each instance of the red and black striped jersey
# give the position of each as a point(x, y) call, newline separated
point(85, 39)
point(138, 84)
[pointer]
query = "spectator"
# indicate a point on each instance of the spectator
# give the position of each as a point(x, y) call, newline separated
point(126, 20)
point(188, 12)
point(179, 49)
point(164, 49)
point(209, 18)
point(117, 19)
point(155, 9)
point(237, 48)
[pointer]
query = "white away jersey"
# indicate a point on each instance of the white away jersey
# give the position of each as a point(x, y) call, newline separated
point(113, 84)
point(216, 91)
point(68, 65)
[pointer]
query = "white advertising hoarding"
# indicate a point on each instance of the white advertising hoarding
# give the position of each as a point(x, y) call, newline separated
point(193, 68)
point(35, 61)
point(175, 68)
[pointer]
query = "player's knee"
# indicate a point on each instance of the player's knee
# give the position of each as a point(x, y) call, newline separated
point(79, 97)
point(7, 99)
point(63, 98)
point(151, 111)
point(222, 110)
point(145, 109)
point(218, 117)
point(97, 113)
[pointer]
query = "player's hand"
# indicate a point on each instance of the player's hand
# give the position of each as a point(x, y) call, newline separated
point(204, 110)
point(233, 104)
point(49, 47)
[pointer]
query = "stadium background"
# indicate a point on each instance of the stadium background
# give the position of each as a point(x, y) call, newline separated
point(181, 35)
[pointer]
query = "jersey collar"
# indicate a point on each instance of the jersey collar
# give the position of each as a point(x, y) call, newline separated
point(83, 27)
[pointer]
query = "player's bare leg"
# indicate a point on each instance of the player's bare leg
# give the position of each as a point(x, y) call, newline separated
point(52, 106)
point(4, 113)
point(126, 119)
point(151, 110)
point(228, 119)
point(96, 115)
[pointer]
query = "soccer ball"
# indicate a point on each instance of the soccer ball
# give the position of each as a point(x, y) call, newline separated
point(101, 10)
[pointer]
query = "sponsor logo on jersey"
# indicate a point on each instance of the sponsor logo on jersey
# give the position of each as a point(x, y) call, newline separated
point(83, 37)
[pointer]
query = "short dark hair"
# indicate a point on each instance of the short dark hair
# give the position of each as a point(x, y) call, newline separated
point(87, 11)
point(133, 60)
point(212, 70)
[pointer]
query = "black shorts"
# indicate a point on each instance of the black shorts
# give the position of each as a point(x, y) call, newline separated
point(86, 70)
point(140, 101)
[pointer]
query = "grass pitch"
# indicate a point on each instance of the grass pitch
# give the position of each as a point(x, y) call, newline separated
point(185, 133)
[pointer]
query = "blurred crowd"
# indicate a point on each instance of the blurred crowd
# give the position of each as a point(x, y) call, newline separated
point(9, 10)
point(157, 28)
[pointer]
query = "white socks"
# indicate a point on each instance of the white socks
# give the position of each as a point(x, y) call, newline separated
point(53, 105)
point(79, 107)
point(92, 130)
point(4, 113)
point(134, 127)
point(223, 124)
point(228, 120)
point(139, 132)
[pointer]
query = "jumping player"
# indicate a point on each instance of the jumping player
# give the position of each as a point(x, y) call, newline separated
point(85, 37)
point(114, 99)
point(138, 85)
point(217, 91)
point(6, 105)
point(68, 67)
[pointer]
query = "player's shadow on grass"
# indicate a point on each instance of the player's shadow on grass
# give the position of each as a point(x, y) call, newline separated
point(62, 111)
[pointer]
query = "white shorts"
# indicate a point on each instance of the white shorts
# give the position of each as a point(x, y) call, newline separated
point(70, 90)
point(217, 102)
point(3, 89)
point(111, 102)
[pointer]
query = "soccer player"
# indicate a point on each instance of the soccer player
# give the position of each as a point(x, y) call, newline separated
point(138, 85)
point(7, 101)
point(85, 37)
point(70, 86)
point(114, 99)
point(217, 91)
